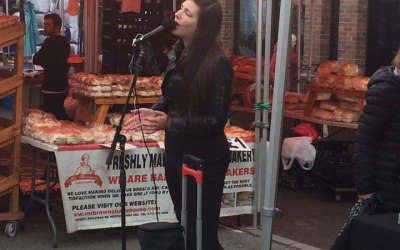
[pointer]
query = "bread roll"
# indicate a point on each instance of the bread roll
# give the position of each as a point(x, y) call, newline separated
point(322, 114)
point(327, 80)
point(348, 69)
point(327, 67)
point(291, 98)
point(361, 83)
point(328, 105)
point(345, 98)
point(350, 116)
point(323, 96)
point(295, 106)
point(344, 82)
point(338, 114)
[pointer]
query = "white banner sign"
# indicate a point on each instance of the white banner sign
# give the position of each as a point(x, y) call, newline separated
point(239, 179)
point(91, 192)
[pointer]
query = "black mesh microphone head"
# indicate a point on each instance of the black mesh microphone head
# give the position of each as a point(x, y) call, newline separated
point(168, 25)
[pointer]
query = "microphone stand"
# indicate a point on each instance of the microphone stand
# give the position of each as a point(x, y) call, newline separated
point(121, 139)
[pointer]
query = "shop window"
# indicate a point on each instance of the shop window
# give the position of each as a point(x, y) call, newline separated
point(245, 27)
point(383, 33)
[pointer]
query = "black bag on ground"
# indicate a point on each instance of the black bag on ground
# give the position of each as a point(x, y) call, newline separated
point(369, 206)
point(161, 236)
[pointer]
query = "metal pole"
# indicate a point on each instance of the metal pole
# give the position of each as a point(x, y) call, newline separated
point(273, 153)
point(299, 10)
point(265, 114)
point(96, 50)
point(90, 17)
point(7, 13)
point(310, 40)
point(174, 5)
point(8, 47)
point(62, 14)
point(257, 123)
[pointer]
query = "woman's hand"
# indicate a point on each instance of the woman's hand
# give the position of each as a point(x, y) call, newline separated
point(150, 120)
point(134, 121)
point(364, 197)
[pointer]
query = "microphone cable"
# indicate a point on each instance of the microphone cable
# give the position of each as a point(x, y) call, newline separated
point(136, 106)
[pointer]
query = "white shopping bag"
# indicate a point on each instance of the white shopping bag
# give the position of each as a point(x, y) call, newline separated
point(299, 148)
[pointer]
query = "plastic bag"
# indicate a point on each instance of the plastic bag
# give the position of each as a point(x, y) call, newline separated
point(299, 148)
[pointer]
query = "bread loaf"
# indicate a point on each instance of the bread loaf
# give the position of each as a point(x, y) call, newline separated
point(327, 67)
point(328, 105)
point(361, 83)
point(322, 114)
point(326, 80)
point(344, 82)
point(348, 69)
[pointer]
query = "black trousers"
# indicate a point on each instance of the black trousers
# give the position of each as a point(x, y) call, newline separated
point(213, 184)
point(54, 103)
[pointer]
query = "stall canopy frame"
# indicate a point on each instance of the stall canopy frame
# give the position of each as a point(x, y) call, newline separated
point(269, 155)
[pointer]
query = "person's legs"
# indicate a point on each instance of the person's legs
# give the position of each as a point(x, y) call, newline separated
point(54, 103)
point(173, 168)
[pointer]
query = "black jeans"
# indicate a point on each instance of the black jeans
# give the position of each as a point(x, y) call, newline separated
point(54, 103)
point(213, 184)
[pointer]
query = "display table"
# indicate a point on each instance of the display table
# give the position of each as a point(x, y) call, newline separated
point(103, 104)
point(299, 115)
point(91, 193)
point(314, 90)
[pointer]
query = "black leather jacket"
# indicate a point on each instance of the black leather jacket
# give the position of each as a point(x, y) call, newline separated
point(376, 158)
point(203, 135)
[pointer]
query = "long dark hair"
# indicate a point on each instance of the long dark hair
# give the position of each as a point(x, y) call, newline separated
point(199, 58)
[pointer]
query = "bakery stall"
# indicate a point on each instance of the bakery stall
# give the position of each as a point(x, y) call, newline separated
point(90, 188)
point(334, 102)
point(335, 97)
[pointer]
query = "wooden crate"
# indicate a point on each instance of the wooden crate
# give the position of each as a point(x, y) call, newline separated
point(10, 130)
point(314, 90)
point(6, 21)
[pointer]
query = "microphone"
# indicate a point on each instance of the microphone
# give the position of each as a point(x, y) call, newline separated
point(168, 25)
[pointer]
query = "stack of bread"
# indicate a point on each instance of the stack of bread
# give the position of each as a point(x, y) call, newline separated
point(295, 101)
point(331, 74)
point(244, 67)
point(46, 128)
point(90, 85)
point(114, 85)
point(341, 111)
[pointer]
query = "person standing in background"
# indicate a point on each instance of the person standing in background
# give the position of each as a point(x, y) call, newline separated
point(52, 57)
point(293, 65)
point(193, 112)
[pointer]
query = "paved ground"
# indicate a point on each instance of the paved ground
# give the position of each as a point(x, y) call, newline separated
point(37, 235)
point(310, 216)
